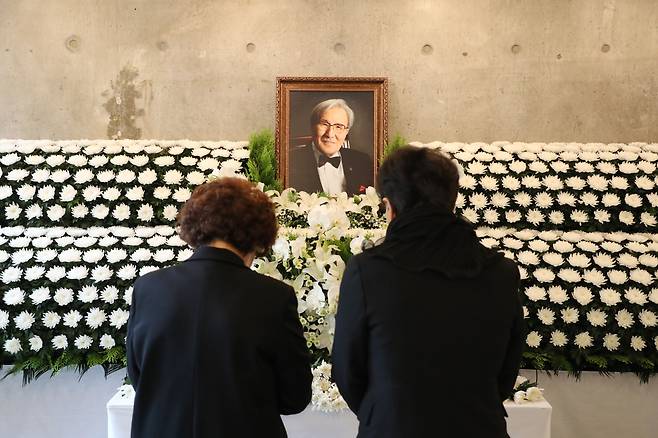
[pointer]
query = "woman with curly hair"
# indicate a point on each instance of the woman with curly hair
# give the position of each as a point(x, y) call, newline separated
point(214, 348)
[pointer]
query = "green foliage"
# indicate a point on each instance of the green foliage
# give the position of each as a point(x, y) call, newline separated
point(262, 164)
point(397, 142)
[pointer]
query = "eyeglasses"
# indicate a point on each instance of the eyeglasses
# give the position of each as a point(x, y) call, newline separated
point(337, 126)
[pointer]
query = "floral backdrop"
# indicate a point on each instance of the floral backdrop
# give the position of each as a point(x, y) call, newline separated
point(80, 220)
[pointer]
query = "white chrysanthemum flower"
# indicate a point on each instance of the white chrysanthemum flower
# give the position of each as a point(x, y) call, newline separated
point(637, 343)
point(68, 193)
point(107, 342)
point(40, 175)
point(181, 195)
point(590, 199)
point(648, 318)
point(100, 211)
point(50, 319)
point(597, 317)
point(12, 346)
point(628, 168)
point(543, 200)
point(161, 192)
point(111, 194)
point(173, 177)
point(610, 297)
point(619, 183)
point(39, 295)
point(512, 216)
point(72, 318)
point(83, 342)
point(26, 192)
point(21, 256)
point(121, 212)
point(139, 160)
point(635, 296)
point(478, 201)
point(641, 276)
point(93, 255)
point(552, 182)
point(98, 161)
point(34, 211)
point(569, 315)
point(163, 255)
point(77, 273)
point(95, 317)
point(186, 254)
point(170, 212)
point(4, 319)
point(535, 217)
point(499, 200)
point(649, 260)
point(197, 178)
point(63, 296)
point(490, 216)
point(611, 341)
point(110, 294)
point(611, 246)
point(9, 159)
point(517, 166)
point(119, 160)
point(538, 245)
point(597, 182)
point(646, 166)
point(476, 168)
point(565, 198)
point(146, 269)
point(497, 168)
point(523, 199)
point(91, 193)
point(580, 217)
point(156, 241)
point(118, 318)
point(135, 193)
point(5, 192)
point(88, 294)
point(594, 277)
point(531, 182)
point(115, 255)
point(578, 260)
point(60, 342)
point(527, 258)
point(188, 161)
point(24, 320)
point(633, 200)
point(471, 215)
point(55, 212)
point(83, 176)
point(212, 164)
point(489, 183)
point(101, 273)
point(105, 176)
point(483, 156)
point(644, 183)
point(11, 275)
point(141, 255)
point(553, 259)
point(559, 339)
point(164, 161)
point(582, 295)
point(146, 177)
point(17, 175)
point(13, 211)
point(125, 176)
point(583, 340)
point(535, 293)
point(511, 183)
point(557, 294)
point(584, 167)
point(533, 339)
point(70, 255)
point(617, 276)
point(602, 216)
point(576, 183)
point(544, 275)
point(46, 255)
point(625, 319)
point(145, 213)
point(647, 219)
point(538, 167)
point(36, 343)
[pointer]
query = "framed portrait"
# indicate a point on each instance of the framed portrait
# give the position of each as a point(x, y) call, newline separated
point(330, 132)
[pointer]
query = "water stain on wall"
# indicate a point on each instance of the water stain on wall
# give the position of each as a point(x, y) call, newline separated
point(121, 105)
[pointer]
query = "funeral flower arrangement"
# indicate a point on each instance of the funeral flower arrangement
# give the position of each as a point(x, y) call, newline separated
point(82, 219)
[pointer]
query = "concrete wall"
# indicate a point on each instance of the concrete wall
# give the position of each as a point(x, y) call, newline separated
point(459, 70)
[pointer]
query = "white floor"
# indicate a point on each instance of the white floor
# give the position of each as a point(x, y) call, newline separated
point(63, 407)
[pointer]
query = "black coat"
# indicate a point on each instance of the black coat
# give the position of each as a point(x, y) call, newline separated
point(215, 350)
point(429, 332)
point(357, 166)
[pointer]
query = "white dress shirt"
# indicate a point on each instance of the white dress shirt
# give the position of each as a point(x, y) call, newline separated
point(332, 178)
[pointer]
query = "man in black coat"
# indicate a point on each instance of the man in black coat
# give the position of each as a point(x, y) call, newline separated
point(429, 329)
point(326, 165)
point(215, 349)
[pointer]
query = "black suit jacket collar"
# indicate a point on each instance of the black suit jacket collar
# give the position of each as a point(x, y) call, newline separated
point(217, 254)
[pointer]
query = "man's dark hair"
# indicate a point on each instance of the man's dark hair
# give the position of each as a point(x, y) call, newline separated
point(413, 176)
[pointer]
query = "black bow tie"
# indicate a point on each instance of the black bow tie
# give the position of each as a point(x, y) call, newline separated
point(334, 161)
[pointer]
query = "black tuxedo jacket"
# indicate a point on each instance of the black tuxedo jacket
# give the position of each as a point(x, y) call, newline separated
point(215, 350)
point(420, 355)
point(357, 166)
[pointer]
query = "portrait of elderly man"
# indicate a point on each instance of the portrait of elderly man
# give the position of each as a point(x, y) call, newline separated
point(328, 164)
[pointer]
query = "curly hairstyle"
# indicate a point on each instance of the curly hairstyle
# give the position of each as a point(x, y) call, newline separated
point(413, 176)
point(232, 210)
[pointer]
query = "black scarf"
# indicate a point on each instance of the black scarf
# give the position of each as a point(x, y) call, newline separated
point(435, 239)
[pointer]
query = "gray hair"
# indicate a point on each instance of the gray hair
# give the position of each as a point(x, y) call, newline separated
point(329, 104)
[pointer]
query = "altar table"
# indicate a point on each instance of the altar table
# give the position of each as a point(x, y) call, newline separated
point(528, 420)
